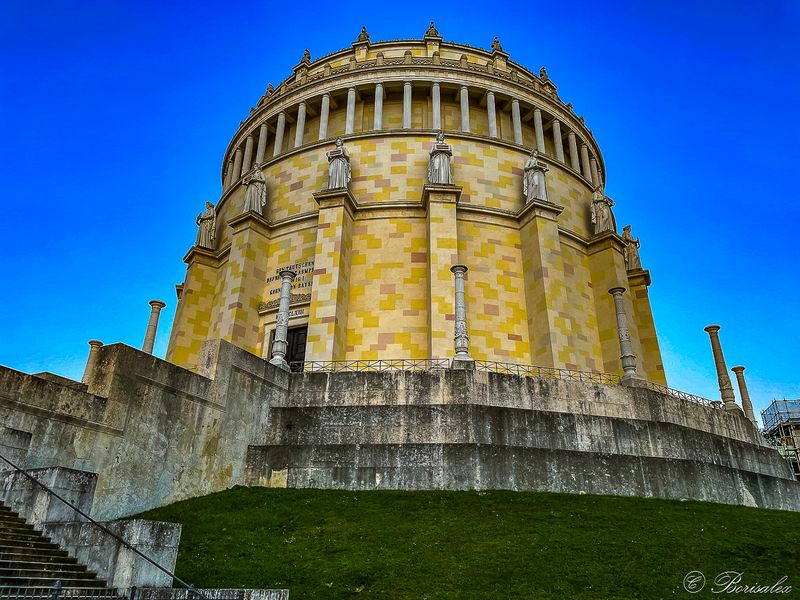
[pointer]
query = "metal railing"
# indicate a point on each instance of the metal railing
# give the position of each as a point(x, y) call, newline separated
point(57, 592)
point(545, 372)
point(679, 394)
point(352, 366)
point(190, 594)
point(102, 528)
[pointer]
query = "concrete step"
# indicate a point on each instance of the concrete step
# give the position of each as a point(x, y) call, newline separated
point(20, 534)
point(34, 559)
point(69, 572)
point(47, 581)
point(8, 541)
point(42, 554)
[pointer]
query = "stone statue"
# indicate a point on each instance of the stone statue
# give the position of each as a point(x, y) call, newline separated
point(208, 222)
point(363, 36)
point(543, 74)
point(631, 252)
point(306, 56)
point(496, 47)
point(534, 184)
point(256, 196)
point(339, 174)
point(432, 31)
point(602, 217)
point(439, 162)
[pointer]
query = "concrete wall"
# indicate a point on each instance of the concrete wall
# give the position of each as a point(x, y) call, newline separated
point(468, 430)
point(153, 432)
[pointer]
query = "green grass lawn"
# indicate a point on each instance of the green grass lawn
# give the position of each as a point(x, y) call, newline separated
point(495, 544)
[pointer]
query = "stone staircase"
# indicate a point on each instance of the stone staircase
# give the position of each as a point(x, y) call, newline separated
point(30, 564)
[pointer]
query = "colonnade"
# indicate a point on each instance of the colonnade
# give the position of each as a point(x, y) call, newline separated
point(578, 155)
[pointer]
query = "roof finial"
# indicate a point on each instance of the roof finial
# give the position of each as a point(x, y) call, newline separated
point(432, 32)
point(306, 56)
point(543, 74)
point(496, 47)
point(363, 36)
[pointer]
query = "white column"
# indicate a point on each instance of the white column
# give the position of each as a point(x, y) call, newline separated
point(248, 154)
point(436, 102)
point(538, 129)
point(351, 111)
point(152, 325)
point(263, 134)
point(517, 121)
point(626, 348)
point(725, 387)
point(573, 152)
point(593, 169)
point(94, 347)
point(237, 164)
point(491, 114)
point(279, 345)
point(377, 121)
point(747, 404)
point(279, 133)
point(585, 169)
point(461, 336)
point(323, 116)
point(464, 109)
point(557, 141)
point(407, 105)
point(301, 125)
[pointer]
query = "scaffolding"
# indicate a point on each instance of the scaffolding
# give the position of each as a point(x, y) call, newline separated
point(782, 427)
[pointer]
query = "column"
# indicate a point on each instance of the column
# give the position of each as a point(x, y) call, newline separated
point(237, 164)
point(747, 405)
point(152, 325)
point(517, 121)
point(351, 111)
point(595, 173)
point(279, 345)
point(263, 134)
point(279, 129)
point(377, 121)
point(491, 113)
point(557, 141)
point(461, 335)
point(436, 101)
point(464, 109)
point(323, 116)
point(248, 155)
point(229, 175)
point(538, 129)
point(573, 152)
point(725, 387)
point(407, 105)
point(301, 125)
point(94, 347)
point(626, 348)
point(585, 170)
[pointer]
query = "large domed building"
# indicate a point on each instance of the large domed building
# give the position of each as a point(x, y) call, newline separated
point(510, 197)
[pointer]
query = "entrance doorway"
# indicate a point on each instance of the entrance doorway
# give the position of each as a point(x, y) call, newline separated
point(296, 340)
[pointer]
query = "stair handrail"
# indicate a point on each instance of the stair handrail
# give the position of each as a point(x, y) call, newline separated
point(188, 586)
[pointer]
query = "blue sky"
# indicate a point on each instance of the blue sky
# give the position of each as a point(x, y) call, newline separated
point(114, 118)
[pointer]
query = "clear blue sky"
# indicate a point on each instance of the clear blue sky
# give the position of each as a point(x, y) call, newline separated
point(115, 117)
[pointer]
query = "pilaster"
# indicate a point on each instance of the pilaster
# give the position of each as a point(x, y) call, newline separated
point(546, 300)
point(327, 323)
point(440, 202)
point(651, 365)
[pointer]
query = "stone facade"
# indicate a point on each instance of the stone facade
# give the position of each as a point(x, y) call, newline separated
point(379, 254)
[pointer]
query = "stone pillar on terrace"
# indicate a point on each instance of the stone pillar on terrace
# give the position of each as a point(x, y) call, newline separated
point(248, 155)
point(377, 121)
point(585, 169)
point(152, 325)
point(464, 97)
point(407, 105)
point(747, 405)
point(279, 130)
point(300, 130)
point(516, 121)
point(628, 358)
point(237, 165)
point(279, 345)
point(595, 172)
point(94, 347)
point(491, 114)
point(350, 117)
point(461, 335)
point(436, 106)
point(725, 387)
point(557, 141)
point(538, 129)
point(323, 116)
point(574, 161)
point(263, 134)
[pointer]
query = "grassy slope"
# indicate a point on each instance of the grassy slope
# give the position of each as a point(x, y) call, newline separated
point(498, 544)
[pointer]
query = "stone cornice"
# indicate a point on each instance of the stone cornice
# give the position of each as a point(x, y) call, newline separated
point(202, 256)
point(538, 208)
point(250, 220)
point(639, 278)
point(605, 240)
point(337, 198)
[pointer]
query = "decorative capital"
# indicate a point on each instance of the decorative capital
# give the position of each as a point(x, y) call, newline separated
point(157, 304)
point(616, 291)
point(738, 370)
point(287, 274)
point(95, 344)
point(458, 269)
point(712, 328)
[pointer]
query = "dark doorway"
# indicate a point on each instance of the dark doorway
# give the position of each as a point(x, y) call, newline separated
point(296, 352)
